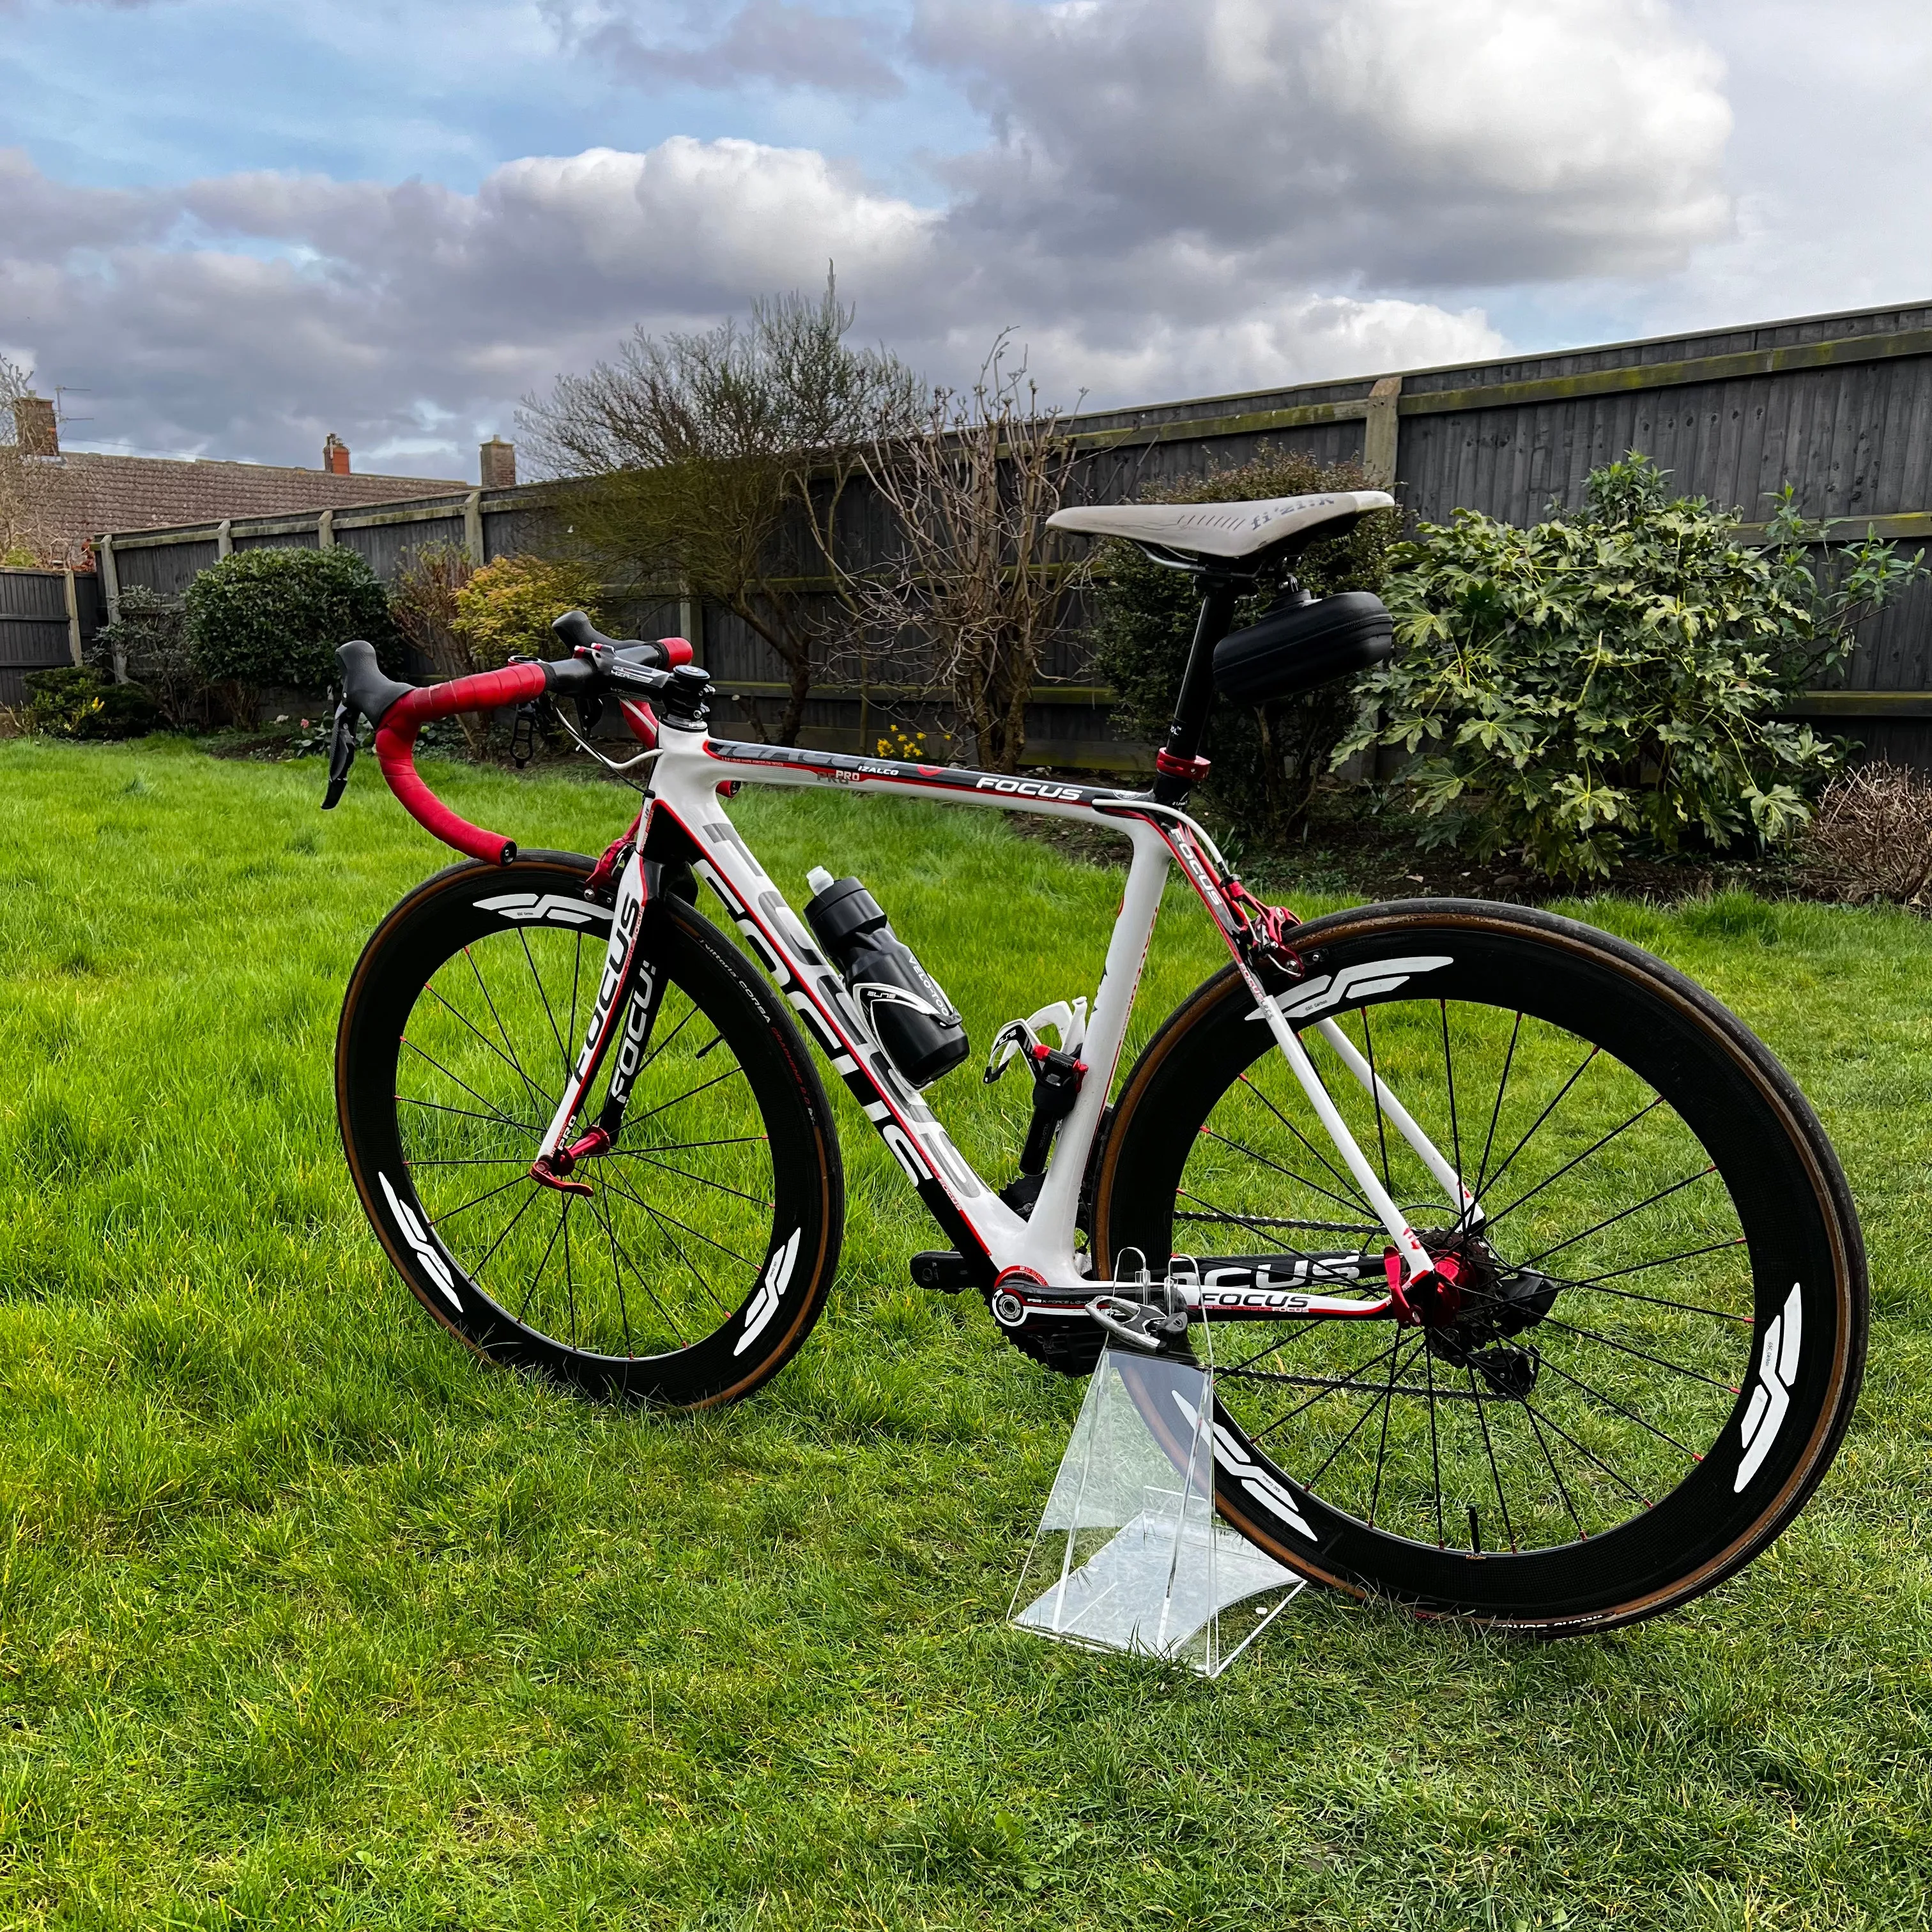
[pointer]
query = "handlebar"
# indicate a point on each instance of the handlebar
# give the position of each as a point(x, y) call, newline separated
point(399, 711)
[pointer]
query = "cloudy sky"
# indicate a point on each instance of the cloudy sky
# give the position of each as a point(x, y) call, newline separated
point(228, 227)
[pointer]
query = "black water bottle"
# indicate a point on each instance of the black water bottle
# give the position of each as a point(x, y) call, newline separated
point(915, 1022)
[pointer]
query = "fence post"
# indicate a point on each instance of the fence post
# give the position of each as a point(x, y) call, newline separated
point(110, 582)
point(224, 538)
point(472, 526)
point(324, 529)
point(1381, 431)
point(73, 616)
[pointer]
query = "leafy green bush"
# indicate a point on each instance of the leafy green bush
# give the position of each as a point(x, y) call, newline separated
point(73, 701)
point(505, 608)
point(275, 617)
point(1612, 677)
point(151, 638)
point(1265, 759)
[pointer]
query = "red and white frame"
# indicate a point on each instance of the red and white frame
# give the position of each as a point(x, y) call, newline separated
point(1032, 1262)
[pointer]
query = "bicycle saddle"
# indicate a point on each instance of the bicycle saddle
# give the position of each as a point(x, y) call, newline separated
point(1225, 529)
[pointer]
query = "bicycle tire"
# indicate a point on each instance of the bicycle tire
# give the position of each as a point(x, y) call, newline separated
point(451, 1054)
point(1389, 976)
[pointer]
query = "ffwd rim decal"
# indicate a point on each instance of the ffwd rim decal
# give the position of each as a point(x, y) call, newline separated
point(1256, 1480)
point(771, 1292)
point(543, 909)
point(1355, 983)
point(1777, 1372)
point(433, 1264)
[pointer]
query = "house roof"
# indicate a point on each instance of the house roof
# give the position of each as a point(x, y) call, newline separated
point(77, 496)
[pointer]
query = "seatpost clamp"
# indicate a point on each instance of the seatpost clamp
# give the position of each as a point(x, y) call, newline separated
point(1170, 766)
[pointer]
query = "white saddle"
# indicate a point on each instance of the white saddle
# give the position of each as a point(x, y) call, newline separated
point(1220, 530)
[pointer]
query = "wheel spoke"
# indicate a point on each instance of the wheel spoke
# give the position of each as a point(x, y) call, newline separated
point(1536, 1125)
point(1624, 1214)
point(1435, 1448)
point(638, 1201)
point(509, 1044)
point(467, 1113)
point(563, 1216)
point(1610, 1401)
point(536, 980)
point(1455, 1128)
point(702, 1181)
point(1381, 1446)
point(1360, 1200)
point(1610, 1342)
point(1490, 1220)
point(664, 1105)
point(644, 1279)
point(1585, 1449)
point(463, 1019)
point(1326, 1388)
point(1208, 1133)
point(1495, 1112)
point(1495, 1474)
point(481, 1100)
point(451, 1214)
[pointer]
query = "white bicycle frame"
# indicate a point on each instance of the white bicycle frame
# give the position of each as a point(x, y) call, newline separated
point(1031, 1261)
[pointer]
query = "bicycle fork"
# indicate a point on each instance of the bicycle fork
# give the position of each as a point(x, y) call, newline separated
point(629, 991)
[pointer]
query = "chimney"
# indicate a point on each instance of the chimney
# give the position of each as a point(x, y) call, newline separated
point(34, 427)
point(335, 455)
point(499, 464)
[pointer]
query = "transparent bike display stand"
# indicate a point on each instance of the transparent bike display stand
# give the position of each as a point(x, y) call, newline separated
point(1129, 1555)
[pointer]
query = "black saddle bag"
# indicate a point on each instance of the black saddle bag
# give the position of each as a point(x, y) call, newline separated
point(1304, 641)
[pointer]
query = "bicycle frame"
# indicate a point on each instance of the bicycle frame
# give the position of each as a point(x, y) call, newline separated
point(1030, 1262)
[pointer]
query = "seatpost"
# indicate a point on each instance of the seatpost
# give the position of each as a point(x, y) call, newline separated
point(1180, 764)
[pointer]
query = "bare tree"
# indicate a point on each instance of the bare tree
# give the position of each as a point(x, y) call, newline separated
point(713, 466)
point(423, 599)
point(977, 568)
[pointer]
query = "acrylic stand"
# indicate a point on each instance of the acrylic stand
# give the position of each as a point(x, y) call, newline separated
point(1129, 1555)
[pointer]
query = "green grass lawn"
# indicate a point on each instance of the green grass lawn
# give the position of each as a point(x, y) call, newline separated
point(308, 1618)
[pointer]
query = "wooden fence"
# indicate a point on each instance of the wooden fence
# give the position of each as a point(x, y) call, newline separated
point(46, 616)
point(1840, 405)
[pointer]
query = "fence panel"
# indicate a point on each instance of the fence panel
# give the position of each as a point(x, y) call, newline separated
point(40, 627)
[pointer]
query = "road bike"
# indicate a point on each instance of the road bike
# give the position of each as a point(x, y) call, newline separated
point(1545, 1296)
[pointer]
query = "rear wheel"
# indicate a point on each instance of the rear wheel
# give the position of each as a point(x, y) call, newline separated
point(704, 1251)
point(1659, 1326)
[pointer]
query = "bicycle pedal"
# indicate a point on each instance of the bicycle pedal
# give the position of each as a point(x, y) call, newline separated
point(946, 1273)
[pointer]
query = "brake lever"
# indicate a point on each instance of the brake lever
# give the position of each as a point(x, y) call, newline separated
point(341, 751)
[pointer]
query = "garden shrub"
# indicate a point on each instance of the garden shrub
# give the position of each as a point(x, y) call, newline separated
point(76, 701)
point(1611, 679)
point(1872, 836)
point(505, 609)
point(275, 617)
point(151, 638)
point(1265, 760)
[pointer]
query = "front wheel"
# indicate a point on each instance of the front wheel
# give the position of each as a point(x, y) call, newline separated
point(703, 1246)
point(1659, 1325)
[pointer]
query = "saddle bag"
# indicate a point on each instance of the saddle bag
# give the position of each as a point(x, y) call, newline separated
point(1302, 642)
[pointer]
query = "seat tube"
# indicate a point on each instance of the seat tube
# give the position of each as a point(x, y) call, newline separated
point(1197, 687)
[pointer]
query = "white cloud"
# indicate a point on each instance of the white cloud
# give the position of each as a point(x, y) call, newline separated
point(1172, 200)
point(1411, 142)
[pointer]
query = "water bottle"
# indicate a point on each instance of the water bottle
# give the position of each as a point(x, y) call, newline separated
point(914, 1021)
